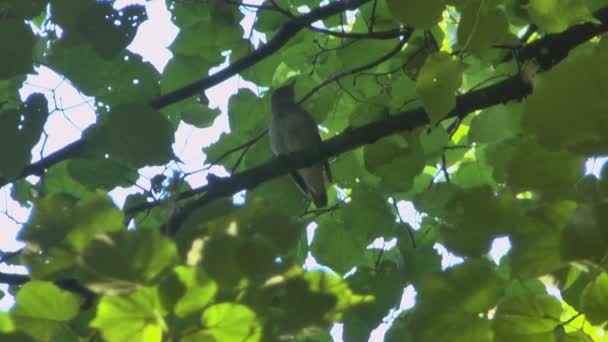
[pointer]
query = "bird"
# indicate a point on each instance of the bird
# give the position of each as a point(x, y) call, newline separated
point(292, 129)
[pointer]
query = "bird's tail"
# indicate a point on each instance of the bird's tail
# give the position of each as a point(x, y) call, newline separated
point(320, 199)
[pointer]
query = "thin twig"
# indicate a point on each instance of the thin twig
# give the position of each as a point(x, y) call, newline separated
point(407, 225)
point(318, 212)
point(569, 320)
point(372, 17)
point(444, 168)
point(353, 71)
point(245, 145)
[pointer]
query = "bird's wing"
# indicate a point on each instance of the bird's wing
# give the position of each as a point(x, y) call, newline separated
point(330, 178)
point(302, 132)
point(315, 185)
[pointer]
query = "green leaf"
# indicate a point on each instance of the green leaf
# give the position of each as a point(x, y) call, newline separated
point(471, 287)
point(594, 300)
point(473, 174)
point(527, 317)
point(199, 115)
point(396, 160)
point(231, 322)
point(281, 194)
point(529, 166)
point(247, 114)
point(19, 131)
point(567, 117)
point(325, 284)
point(41, 308)
point(133, 133)
point(336, 246)
point(108, 30)
point(351, 57)
point(215, 17)
point(6, 323)
point(200, 290)
point(62, 216)
point(557, 15)
point(462, 328)
point(269, 21)
point(51, 220)
point(494, 124)
point(122, 79)
point(434, 141)
point(149, 253)
point(538, 243)
point(419, 14)
point(449, 303)
point(385, 283)
point(15, 34)
point(23, 9)
point(368, 214)
point(22, 192)
point(481, 26)
point(437, 83)
point(50, 264)
point(184, 70)
point(137, 316)
point(103, 174)
point(94, 216)
point(475, 216)
point(220, 259)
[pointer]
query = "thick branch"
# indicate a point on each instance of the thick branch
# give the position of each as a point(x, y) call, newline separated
point(390, 34)
point(510, 89)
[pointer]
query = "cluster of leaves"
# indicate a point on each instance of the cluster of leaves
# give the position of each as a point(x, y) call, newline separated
point(233, 272)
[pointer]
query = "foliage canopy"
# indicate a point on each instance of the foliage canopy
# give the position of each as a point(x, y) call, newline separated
point(481, 113)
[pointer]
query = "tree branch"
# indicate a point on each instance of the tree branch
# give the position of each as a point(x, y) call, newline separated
point(67, 284)
point(510, 89)
point(389, 34)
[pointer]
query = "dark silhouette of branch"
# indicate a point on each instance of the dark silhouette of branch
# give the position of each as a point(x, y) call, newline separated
point(67, 284)
point(7, 256)
point(389, 34)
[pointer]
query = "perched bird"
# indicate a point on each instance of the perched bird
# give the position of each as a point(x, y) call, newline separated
point(293, 130)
